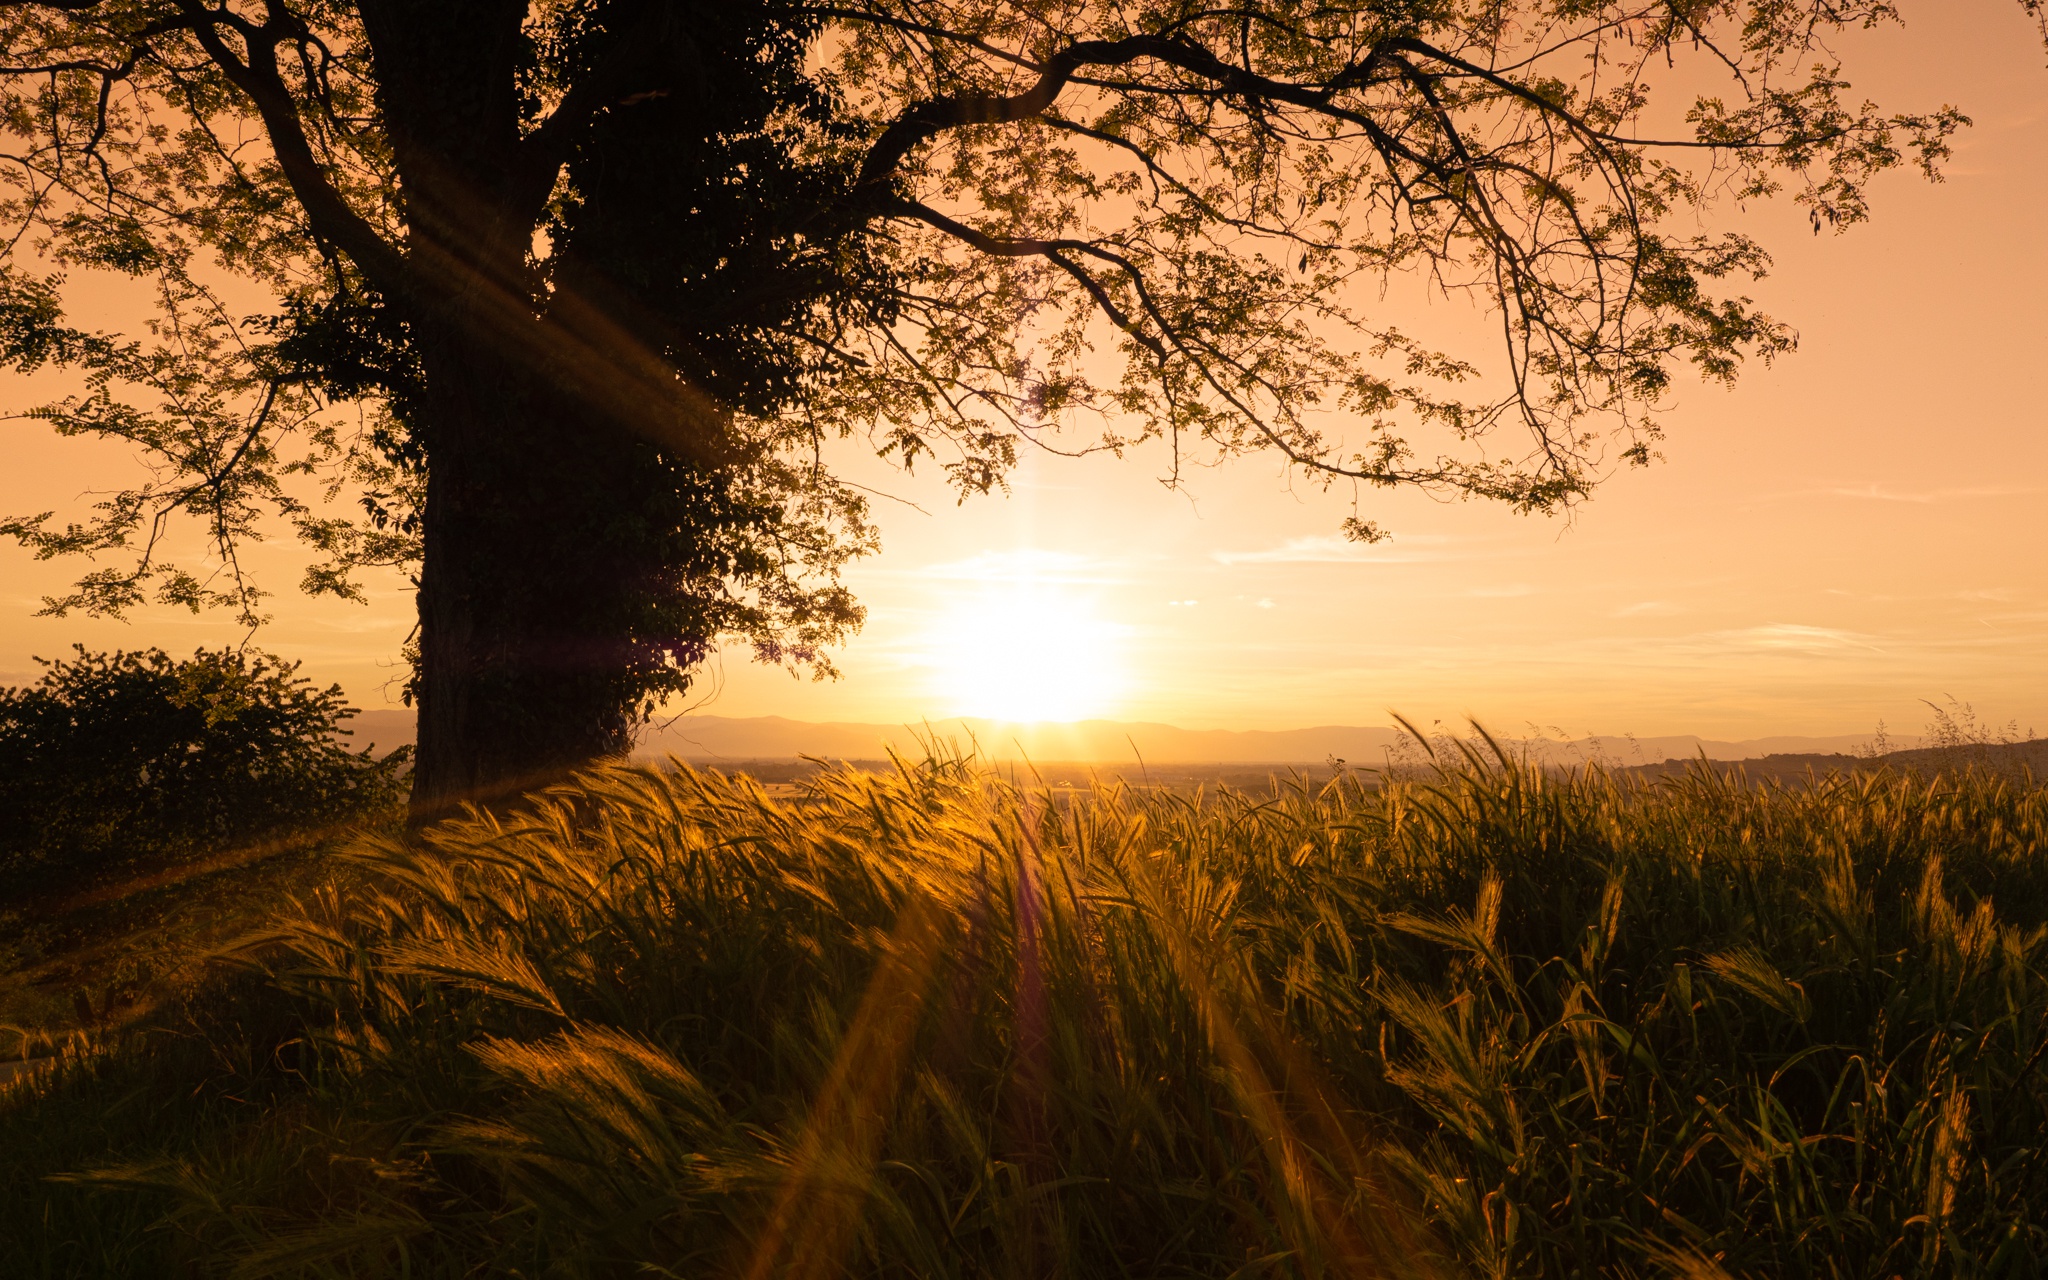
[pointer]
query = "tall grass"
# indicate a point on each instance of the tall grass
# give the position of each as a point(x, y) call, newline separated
point(1495, 1022)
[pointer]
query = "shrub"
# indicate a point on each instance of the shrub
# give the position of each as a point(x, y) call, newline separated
point(115, 756)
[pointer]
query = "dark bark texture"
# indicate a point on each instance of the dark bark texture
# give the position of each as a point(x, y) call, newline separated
point(560, 561)
point(483, 688)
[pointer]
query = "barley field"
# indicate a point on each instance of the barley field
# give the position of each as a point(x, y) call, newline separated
point(1483, 1021)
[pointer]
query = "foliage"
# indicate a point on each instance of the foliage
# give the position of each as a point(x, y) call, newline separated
point(233, 423)
point(1500, 1022)
point(114, 756)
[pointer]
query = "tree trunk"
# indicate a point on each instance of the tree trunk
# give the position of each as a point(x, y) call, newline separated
point(517, 682)
point(578, 493)
point(574, 572)
point(519, 673)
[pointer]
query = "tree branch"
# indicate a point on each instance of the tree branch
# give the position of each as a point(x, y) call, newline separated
point(543, 151)
point(1054, 251)
point(328, 214)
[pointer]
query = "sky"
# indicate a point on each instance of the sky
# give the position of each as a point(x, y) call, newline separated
point(1843, 536)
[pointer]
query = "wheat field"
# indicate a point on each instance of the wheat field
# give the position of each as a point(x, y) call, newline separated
point(1485, 1021)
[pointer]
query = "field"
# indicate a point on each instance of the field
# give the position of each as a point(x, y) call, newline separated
point(932, 1022)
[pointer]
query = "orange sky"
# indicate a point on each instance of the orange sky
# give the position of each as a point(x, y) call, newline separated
point(1862, 526)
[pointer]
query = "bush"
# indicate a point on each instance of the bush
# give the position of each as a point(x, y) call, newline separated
point(110, 757)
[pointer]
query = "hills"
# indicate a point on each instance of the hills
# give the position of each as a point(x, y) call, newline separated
point(712, 739)
point(2006, 757)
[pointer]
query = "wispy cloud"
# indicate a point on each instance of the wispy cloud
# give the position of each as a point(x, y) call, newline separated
point(1648, 609)
point(1337, 549)
point(1791, 637)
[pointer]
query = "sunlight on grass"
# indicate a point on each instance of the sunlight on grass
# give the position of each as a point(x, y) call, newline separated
point(1484, 1021)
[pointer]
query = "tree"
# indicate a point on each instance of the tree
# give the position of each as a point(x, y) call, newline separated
point(598, 278)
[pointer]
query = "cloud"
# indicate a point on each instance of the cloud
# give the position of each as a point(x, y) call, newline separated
point(1648, 609)
point(1792, 637)
point(1335, 548)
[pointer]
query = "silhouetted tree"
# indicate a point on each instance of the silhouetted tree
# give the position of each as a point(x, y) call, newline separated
point(595, 279)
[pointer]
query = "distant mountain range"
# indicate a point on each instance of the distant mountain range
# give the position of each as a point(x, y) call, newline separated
point(727, 738)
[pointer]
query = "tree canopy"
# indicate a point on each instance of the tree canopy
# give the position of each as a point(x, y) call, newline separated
point(572, 295)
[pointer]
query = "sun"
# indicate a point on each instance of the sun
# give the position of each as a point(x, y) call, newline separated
point(1025, 652)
